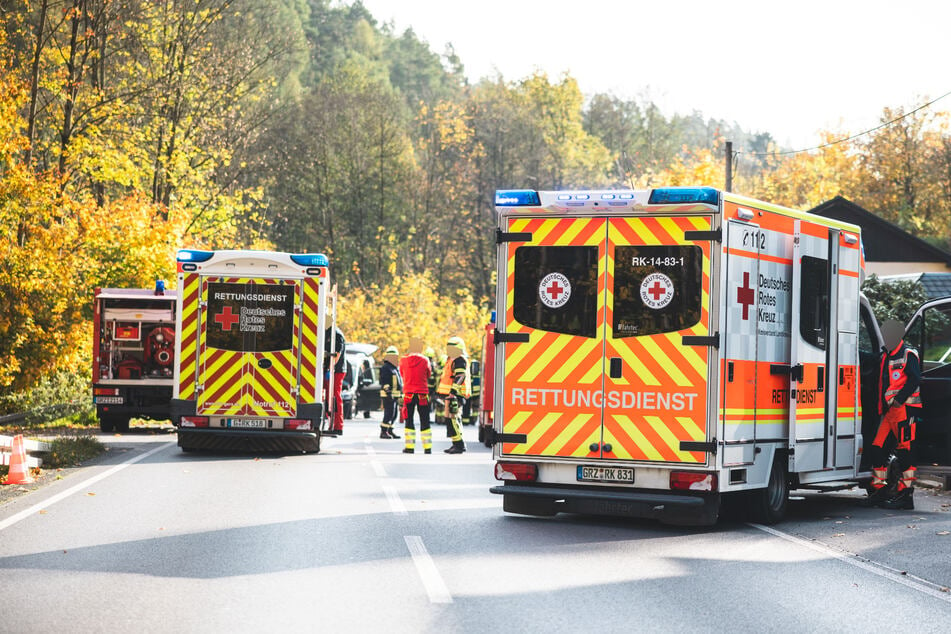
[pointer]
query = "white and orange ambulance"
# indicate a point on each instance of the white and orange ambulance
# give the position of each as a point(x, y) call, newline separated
point(657, 350)
point(249, 344)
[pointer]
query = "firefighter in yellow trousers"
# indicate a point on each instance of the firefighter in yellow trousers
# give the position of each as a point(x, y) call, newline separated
point(455, 387)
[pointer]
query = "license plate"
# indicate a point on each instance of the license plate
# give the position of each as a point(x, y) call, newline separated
point(109, 400)
point(606, 474)
point(248, 423)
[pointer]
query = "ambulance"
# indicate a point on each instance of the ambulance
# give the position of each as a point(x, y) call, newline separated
point(250, 345)
point(659, 352)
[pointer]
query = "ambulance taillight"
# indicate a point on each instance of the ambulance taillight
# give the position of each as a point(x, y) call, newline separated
point(194, 421)
point(521, 471)
point(300, 424)
point(693, 481)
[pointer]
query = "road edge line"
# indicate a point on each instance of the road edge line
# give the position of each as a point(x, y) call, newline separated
point(915, 583)
point(62, 495)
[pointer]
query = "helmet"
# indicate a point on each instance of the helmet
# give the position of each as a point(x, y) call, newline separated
point(455, 341)
point(429, 352)
point(391, 350)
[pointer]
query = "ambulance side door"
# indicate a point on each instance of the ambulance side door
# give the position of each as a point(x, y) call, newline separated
point(841, 452)
point(810, 346)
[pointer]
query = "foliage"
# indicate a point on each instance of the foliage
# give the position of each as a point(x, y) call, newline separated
point(898, 299)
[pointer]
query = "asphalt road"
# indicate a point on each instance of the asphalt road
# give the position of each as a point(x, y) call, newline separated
point(364, 538)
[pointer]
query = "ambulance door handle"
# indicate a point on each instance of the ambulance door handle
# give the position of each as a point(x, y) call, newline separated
point(820, 381)
point(729, 372)
point(616, 369)
point(841, 376)
point(594, 447)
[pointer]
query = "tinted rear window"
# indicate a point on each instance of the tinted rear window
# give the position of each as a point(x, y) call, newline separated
point(250, 317)
point(557, 289)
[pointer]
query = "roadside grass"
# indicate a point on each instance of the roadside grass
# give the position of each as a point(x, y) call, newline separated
point(73, 444)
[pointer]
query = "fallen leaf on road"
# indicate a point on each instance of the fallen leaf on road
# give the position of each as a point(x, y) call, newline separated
point(90, 494)
point(943, 533)
point(838, 534)
point(44, 512)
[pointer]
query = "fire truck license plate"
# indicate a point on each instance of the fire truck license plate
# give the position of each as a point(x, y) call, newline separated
point(606, 474)
point(248, 422)
point(109, 400)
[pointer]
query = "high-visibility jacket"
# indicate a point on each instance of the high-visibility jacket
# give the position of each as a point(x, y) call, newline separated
point(455, 378)
point(476, 379)
point(895, 375)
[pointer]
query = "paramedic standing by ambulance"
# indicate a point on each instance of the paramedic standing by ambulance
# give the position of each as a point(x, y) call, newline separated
point(455, 386)
point(899, 404)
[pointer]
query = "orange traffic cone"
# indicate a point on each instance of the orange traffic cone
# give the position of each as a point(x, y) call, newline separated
point(19, 473)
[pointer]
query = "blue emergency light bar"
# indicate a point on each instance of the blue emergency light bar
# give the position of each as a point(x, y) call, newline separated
point(310, 259)
point(191, 255)
point(517, 198)
point(684, 195)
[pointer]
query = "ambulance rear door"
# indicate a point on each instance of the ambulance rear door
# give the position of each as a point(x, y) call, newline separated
point(657, 309)
point(595, 363)
point(249, 349)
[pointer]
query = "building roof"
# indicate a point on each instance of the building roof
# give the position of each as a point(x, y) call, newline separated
point(935, 284)
point(882, 240)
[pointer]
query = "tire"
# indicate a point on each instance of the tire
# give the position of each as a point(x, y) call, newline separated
point(122, 425)
point(527, 505)
point(481, 434)
point(366, 414)
point(106, 424)
point(769, 504)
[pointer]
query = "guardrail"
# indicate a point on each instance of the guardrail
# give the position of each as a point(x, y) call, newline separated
point(30, 445)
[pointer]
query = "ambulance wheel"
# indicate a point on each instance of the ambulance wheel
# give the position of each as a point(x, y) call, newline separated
point(769, 504)
point(528, 505)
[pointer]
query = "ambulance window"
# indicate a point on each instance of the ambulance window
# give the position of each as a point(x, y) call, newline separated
point(814, 301)
point(556, 289)
point(250, 317)
point(656, 289)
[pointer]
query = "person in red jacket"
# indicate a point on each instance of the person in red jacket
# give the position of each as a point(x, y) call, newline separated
point(415, 369)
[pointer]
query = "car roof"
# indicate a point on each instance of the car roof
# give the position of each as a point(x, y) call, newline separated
point(362, 348)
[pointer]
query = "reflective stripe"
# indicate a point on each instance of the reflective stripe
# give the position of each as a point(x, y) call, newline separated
point(897, 377)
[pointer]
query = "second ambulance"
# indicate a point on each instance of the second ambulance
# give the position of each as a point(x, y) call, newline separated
point(658, 350)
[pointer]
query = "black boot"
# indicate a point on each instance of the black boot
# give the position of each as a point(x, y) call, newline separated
point(458, 446)
point(879, 496)
point(904, 500)
point(390, 434)
point(383, 433)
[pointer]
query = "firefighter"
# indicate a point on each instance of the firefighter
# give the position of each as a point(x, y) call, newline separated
point(416, 370)
point(336, 364)
point(455, 386)
point(391, 384)
point(899, 404)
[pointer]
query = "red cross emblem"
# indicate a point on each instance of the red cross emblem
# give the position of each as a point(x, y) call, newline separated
point(746, 296)
point(657, 291)
point(226, 318)
point(554, 290)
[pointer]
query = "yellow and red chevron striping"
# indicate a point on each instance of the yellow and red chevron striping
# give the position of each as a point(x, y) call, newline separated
point(188, 338)
point(310, 313)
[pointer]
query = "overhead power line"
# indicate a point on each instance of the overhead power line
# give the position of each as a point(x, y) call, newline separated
point(849, 138)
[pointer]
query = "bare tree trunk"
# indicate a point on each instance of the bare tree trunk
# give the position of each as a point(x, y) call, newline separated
point(35, 81)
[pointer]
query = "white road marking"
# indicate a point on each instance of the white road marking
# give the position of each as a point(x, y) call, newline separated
point(428, 573)
point(378, 468)
point(396, 504)
point(910, 581)
point(13, 519)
